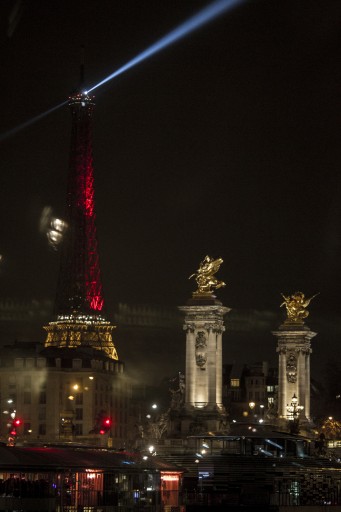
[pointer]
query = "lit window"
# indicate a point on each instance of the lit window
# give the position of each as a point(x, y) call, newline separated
point(234, 383)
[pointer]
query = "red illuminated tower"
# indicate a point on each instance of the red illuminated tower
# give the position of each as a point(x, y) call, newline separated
point(79, 301)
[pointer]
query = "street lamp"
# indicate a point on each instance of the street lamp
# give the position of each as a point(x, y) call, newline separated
point(252, 406)
point(261, 406)
point(156, 424)
point(13, 422)
point(294, 410)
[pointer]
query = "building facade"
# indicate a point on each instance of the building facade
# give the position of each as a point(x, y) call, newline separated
point(63, 395)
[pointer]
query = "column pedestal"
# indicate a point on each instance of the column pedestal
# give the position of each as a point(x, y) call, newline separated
point(203, 409)
point(294, 366)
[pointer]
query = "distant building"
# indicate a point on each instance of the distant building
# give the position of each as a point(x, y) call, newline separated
point(63, 395)
point(250, 390)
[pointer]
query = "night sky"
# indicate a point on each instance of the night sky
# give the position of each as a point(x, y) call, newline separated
point(225, 143)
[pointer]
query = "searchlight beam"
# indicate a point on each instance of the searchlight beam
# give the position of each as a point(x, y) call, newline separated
point(207, 14)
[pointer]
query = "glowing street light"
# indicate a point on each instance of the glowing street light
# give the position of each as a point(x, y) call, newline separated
point(294, 410)
point(252, 406)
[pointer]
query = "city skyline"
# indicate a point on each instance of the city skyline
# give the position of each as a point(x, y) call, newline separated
point(223, 144)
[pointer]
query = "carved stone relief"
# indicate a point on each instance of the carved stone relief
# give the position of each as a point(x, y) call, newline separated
point(291, 367)
point(200, 349)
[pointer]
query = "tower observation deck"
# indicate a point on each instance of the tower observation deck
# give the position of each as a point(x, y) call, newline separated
point(79, 301)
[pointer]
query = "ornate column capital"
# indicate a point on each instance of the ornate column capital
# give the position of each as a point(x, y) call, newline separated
point(304, 350)
point(281, 350)
point(189, 327)
point(214, 327)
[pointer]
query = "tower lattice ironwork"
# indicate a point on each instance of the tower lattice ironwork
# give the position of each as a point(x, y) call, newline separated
point(79, 301)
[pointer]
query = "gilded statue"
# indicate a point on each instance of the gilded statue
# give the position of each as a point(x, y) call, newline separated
point(296, 305)
point(205, 276)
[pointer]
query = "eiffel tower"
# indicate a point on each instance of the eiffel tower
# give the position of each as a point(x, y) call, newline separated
point(79, 320)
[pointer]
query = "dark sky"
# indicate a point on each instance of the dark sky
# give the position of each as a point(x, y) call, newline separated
point(225, 143)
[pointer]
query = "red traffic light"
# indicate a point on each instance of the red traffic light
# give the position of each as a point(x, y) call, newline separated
point(13, 432)
point(105, 425)
point(17, 422)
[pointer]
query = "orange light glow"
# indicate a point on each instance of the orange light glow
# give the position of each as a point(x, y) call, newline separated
point(170, 478)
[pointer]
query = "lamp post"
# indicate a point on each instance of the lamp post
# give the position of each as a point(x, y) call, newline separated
point(67, 415)
point(13, 423)
point(252, 406)
point(156, 425)
point(261, 419)
point(294, 410)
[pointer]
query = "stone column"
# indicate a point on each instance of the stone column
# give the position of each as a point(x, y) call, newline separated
point(307, 397)
point(294, 366)
point(190, 355)
point(204, 327)
point(219, 375)
point(212, 368)
point(282, 398)
point(301, 379)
